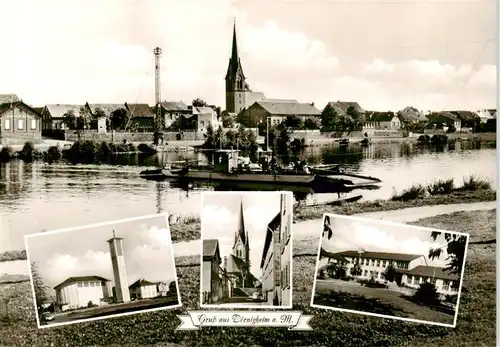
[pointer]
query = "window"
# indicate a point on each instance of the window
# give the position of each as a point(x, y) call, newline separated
point(20, 124)
point(7, 124)
point(365, 273)
point(85, 284)
point(446, 285)
point(378, 263)
point(33, 124)
point(433, 280)
point(80, 284)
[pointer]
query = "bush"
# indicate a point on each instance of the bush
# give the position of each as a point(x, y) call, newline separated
point(6, 154)
point(473, 183)
point(147, 149)
point(105, 148)
point(440, 187)
point(427, 294)
point(439, 138)
point(28, 151)
point(416, 191)
point(85, 150)
point(424, 138)
point(53, 153)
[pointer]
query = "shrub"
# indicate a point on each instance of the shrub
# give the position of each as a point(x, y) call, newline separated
point(439, 138)
point(473, 183)
point(27, 152)
point(105, 148)
point(416, 191)
point(85, 150)
point(6, 154)
point(427, 294)
point(452, 298)
point(440, 187)
point(424, 138)
point(147, 149)
point(53, 153)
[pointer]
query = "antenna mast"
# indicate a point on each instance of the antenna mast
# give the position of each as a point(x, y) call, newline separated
point(157, 122)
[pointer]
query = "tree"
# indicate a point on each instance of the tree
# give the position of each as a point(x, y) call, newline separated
point(356, 270)
point(199, 102)
point(327, 228)
point(328, 117)
point(119, 118)
point(227, 120)
point(455, 249)
point(84, 118)
point(353, 120)
point(69, 119)
point(210, 141)
point(294, 122)
point(99, 113)
point(427, 294)
point(390, 273)
point(40, 290)
point(310, 124)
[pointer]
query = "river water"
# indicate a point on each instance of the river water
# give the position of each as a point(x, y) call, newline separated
point(41, 196)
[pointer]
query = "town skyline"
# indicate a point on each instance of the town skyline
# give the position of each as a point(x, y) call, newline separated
point(431, 65)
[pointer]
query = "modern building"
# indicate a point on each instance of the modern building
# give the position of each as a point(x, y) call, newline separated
point(214, 281)
point(239, 96)
point(276, 111)
point(276, 257)
point(142, 289)
point(119, 269)
point(77, 292)
point(411, 269)
point(19, 122)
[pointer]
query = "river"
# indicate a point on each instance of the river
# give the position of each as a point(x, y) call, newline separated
point(40, 196)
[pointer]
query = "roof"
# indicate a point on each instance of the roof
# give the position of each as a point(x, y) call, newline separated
point(76, 279)
point(7, 106)
point(8, 98)
point(107, 108)
point(39, 109)
point(432, 271)
point(269, 236)
point(325, 254)
point(288, 108)
point(466, 115)
point(140, 110)
point(142, 283)
point(342, 106)
point(493, 112)
point(381, 255)
point(58, 110)
point(380, 116)
point(203, 110)
point(174, 106)
point(281, 100)
point(252, 97)
point(210, 247)
point(241, 226)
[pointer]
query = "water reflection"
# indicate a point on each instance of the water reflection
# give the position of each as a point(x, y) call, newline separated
point(38, 196)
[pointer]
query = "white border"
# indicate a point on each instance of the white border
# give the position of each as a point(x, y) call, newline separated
point(243, 306)
point(88, 226)
point(402, 225)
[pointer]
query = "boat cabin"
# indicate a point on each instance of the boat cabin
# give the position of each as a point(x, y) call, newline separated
point(225, 160)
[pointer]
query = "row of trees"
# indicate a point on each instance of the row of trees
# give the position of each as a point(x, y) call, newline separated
point(241, 138)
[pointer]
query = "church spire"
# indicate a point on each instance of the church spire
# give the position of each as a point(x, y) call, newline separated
point(234, 52)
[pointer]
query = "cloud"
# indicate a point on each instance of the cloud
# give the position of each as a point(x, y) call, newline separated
point(155, 236)
point(216, 220)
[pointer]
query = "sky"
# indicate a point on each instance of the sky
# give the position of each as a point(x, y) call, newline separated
point(384, 55)
point(220, 220)
point(377, 236)
point(147, 249)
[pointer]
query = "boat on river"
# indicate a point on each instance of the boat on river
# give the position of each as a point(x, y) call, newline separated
point(336, 173)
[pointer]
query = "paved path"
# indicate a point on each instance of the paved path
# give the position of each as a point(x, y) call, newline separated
point(311, 228)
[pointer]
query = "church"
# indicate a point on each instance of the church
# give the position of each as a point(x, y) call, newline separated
point(237, 264)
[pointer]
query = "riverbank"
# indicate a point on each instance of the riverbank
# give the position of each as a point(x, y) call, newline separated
point(330, 328)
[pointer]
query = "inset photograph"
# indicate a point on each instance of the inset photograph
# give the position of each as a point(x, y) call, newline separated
point(389, 270)
point(246, 250)
point(102, 270)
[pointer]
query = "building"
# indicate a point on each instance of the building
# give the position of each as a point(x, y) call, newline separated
point(382, 121)
point(485, 115)
point(468, 119)
point(444, 120)
point(239, 96)
point(173, 110)
point(214, 285)
point(276, 111)
point(142, 289)
point(286, 250)
point(237, 266)
point(19, 122)
point(102, 113)
point(142, 117)
point(162, 288)
point(205, 116)
point(411, 115)
point(77, 292)
point(53, 115)
point(119, 269)
point(411, 269)
point(341, 108)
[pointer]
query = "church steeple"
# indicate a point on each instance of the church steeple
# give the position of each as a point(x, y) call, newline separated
point(236, 86)
point(234, 62)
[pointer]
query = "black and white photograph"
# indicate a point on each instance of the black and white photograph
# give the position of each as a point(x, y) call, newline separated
point(390, 270)
point(103, 270)
point(246, 250)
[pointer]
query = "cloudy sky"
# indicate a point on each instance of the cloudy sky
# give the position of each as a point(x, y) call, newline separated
point(147, 249)
point(220, 220)
point(385, 55)
point(377, 236)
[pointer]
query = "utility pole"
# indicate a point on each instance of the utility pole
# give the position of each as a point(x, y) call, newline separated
point(157, 119)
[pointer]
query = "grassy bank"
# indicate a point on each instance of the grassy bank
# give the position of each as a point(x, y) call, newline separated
point(475, 326)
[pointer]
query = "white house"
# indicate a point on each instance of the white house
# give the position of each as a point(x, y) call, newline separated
point(77, 292)
point(446, 283)
point(205, 116)
point(485, 115)
point(142, 289)
point(286, 250)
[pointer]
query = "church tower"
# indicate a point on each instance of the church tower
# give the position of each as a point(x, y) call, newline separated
point(241, 247)
point(236, 87)
point(119, 269)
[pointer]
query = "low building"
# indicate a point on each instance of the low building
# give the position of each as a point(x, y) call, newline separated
point(342, 107)
point(142, 289)
point(173, 110)
point(276, 112)
point(19, 122)
point(101, 113)
point(204, 117)
point(444, 120)
point(77, 292)
point(411, 115)
point(213, 286)
point(142, 117)
point(53, 115)
point(286, 250)
point(446, 283)
point(468, 119)
point(382, 121)
point(485, 115)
